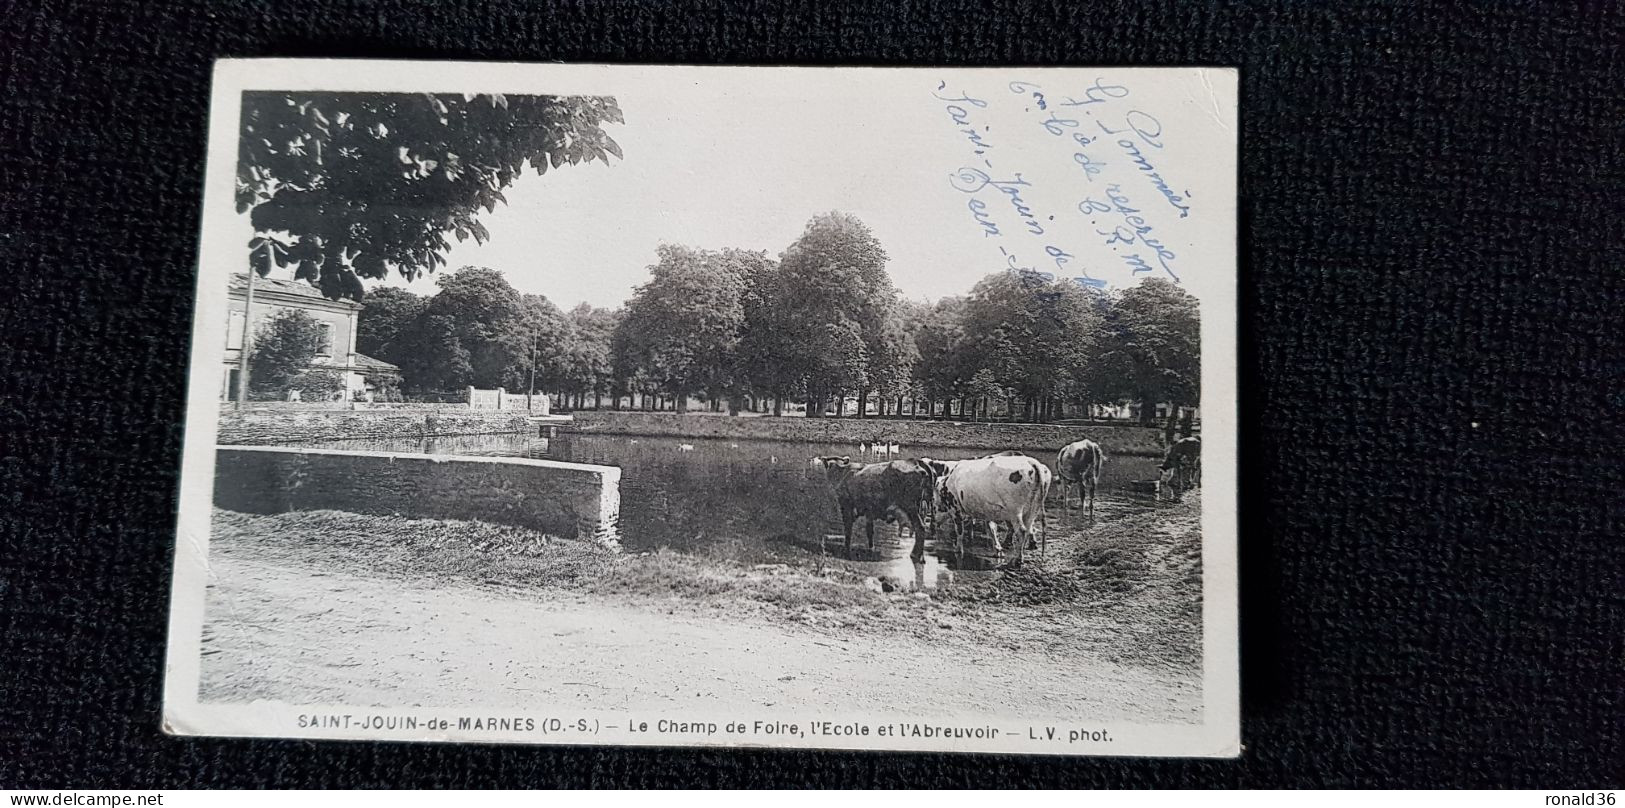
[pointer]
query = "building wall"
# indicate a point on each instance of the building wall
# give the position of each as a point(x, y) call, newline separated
point(341, 321)
point(569, 500)
point(342, 324)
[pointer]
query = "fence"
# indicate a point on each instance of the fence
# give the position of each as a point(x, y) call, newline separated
point(501, 399)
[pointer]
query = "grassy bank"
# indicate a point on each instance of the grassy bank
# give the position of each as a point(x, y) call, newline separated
point(456, 552)
point(1129, 591)
point(1118, 439)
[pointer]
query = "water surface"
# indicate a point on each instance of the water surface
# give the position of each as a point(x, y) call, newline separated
point(763, 501)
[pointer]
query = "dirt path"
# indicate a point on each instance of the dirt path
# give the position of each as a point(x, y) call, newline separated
point(286, 632)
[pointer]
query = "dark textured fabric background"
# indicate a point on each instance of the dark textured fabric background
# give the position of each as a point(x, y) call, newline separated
point(1432, 202)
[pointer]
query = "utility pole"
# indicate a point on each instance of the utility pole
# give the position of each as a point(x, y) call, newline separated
point(248, 333)
point(532, 391)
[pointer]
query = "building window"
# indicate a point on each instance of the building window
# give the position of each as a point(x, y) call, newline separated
point(234, 330)
point(326, 348)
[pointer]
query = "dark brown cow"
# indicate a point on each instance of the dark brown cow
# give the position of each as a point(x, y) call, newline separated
point(900, 489)
point(1080, 463)
point(1182, 467)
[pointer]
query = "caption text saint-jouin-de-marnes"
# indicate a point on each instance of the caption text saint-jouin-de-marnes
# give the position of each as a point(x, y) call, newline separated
point(707, 729)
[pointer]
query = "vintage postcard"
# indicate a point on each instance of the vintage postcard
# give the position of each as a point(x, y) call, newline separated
point(886, 409)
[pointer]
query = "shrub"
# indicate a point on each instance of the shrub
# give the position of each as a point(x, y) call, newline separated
point(282, 348)
point(317, 385)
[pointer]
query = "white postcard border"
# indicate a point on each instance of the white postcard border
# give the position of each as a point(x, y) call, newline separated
point(1217, 736)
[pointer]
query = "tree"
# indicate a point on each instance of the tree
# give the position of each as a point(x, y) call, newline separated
point(317, 385)
point(836, 300)
point(1154, 346)
point(388, 313)
point(590, 367)
point(349, 185)
point(432, 358)
point(766, 345)
point(1036, 337)
point(284, 348)
point(682, 327)
point(483, 309)
point(757, 277)
point(946, 364)
point(537, 343)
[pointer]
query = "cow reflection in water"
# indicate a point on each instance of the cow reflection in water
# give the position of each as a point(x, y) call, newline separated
point(889, 492)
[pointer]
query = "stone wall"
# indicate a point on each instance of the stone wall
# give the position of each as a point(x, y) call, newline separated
point(570, 500)
point(1116, 440)
point(280, 427)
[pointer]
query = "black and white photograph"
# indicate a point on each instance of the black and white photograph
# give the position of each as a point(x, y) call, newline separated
point(854, 408)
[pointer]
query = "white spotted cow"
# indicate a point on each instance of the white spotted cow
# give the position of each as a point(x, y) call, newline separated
point(1008, 489)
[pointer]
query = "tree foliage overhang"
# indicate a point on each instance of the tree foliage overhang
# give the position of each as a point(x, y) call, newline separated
point(348, 186)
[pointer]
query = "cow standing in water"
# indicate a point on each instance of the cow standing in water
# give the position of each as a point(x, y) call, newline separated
point(1080, 463)
point(1182, 466)
point(900, 489)
point(1008, 489)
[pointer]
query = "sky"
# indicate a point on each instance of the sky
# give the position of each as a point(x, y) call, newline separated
point(721, 161)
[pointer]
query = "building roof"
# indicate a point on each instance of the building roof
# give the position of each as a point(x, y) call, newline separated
point(366, 362)
point(283, 286)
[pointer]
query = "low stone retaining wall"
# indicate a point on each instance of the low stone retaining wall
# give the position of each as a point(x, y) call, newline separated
point(570, 500)
point(1116, 440)
point(277, 427)
point(341, 406)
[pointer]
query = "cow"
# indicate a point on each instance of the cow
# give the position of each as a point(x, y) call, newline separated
point(1080, 463)
point(944, 503)
point(899, 489)
point(1182, 466)
point(1008, 488)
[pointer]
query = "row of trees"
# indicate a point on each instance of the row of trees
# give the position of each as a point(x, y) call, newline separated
point(351, 186)
point(820, 324)
point(478, 330)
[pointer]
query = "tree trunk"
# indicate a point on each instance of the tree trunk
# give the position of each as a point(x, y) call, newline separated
point(1173, 422)
point(863, 403)
point(840, 406)
point(778, 405)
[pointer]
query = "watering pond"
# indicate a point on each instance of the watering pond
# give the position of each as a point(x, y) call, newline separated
point(763, 502)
